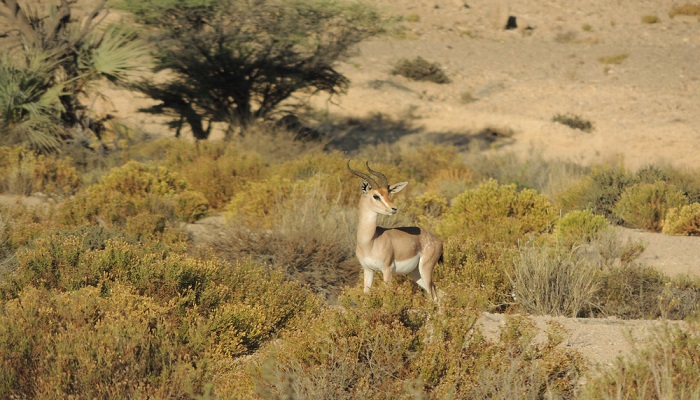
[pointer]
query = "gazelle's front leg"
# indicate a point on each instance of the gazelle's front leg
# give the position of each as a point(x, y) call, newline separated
point(369, 275)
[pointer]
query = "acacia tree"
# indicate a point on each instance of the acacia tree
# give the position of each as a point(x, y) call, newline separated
point(236, 61)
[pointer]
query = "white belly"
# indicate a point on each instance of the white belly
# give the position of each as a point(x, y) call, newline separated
point(403, 267)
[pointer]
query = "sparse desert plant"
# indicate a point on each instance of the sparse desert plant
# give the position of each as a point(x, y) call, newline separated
point(644, 205)
point(688, 9)
point(683, 220)
point(650, 19)
point(665, 367)
point(579, 227)
point(420, 69)
point(613, 59)
point(574, 122)
point(554, 281)
point(467, 97)
point(413, 18)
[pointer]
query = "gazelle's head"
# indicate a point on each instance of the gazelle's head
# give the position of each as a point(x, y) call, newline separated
point(376, 190)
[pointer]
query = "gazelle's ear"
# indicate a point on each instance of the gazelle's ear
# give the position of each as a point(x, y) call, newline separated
point(365, 186)
point(397, 187)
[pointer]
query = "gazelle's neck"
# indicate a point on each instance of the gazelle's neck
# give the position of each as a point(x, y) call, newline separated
point(367, 226)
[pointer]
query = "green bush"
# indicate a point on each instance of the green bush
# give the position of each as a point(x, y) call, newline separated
point(644, 205)
point(497, 213)
point(574, 122)
point(419, 69)
point(599, 192)
point(129, 192)
point(683, 220)
point(579, 227)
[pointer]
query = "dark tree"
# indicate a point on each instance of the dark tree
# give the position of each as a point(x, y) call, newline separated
point(236, 61)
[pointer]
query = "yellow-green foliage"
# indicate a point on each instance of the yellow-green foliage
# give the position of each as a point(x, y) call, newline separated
point(24, 172)
point(644, 205)
point(666, 368)
point(481, 228)
point(258, 203)
point(127, 194)
point(683, 220)
point(497, 213)
point(579, 227)
point(215, 169)
point(94, 344)
point(158, 315)
point(387, 345)
point(599, 191)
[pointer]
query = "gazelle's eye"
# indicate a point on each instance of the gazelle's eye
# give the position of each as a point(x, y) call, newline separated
point(376, 197)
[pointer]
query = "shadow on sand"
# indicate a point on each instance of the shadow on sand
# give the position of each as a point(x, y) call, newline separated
point(352, 134)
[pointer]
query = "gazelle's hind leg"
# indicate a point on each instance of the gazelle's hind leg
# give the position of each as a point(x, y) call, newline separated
point(423, 276)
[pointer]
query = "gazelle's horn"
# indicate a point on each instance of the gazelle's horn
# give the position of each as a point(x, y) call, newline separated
point(366, 177)
point(382, 177)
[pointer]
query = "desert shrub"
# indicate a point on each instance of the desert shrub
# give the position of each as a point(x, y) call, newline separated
point(215, 169)
point(554, 282)
point(666, 368)
point(687, 181)
point(419, 69)
point(548, 177)
point(481, 228)
point(644, 205)
point(497, 213)
point(633, 291)
point(475, 273)
point(689, 9)
point(574, 122)
point(425, 209)
point(24, 172)
point(683, 220)
point(579, 227)
point(129, 192)
point(599, 192)
point(650, 19)
point(613, 59)
point(92, 343)
point(390, 344)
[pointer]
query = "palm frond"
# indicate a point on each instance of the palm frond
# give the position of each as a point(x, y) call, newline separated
point(119, 55)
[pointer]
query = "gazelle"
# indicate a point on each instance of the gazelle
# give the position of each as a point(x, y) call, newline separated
point(408, 251)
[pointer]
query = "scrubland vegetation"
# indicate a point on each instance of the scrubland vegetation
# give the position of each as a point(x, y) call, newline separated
point(108, 280)
point(104, 294)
